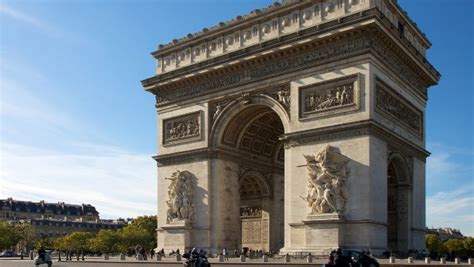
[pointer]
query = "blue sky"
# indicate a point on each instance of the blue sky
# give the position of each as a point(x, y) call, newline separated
point(75, 121)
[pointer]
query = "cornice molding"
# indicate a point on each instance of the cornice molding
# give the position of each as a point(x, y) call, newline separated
point(325, 134)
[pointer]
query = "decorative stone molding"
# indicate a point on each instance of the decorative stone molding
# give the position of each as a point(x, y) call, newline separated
point(351, 130)
point(391, 105)
point(180, 195)
point(285, 20)
point(327, 174)
point(330, 97)
point(285, 65)
point(181, 129)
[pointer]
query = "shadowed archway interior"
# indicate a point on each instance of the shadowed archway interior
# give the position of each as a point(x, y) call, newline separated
point(253, 134)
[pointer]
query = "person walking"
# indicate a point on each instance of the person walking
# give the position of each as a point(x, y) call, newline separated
point(225, 254)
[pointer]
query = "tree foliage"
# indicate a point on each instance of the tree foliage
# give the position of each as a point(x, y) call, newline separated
point(8, 236)
point(455, 247)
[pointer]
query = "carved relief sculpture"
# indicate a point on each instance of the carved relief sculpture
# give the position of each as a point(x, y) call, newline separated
point(330, 97)
point(182, 128)
point(180, 197)
point(327, 176)
point(388, 103)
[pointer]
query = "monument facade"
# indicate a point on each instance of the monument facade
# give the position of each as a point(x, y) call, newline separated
point(296, 128)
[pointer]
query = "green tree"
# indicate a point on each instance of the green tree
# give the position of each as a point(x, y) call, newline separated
point(77, 241)
point(142, 231)
point(455, 246)
point(105, 241)
point(131, 236)
point(44, 242)
point(469, 246)
point(9, 237)
point(433, 244)
point(27, 236)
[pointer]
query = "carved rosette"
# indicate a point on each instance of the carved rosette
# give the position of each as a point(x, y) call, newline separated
point(182, 129)
point(180, 195)
point(327, 174)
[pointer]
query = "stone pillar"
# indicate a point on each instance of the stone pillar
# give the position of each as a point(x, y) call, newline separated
point(457, 260)
point(442, 260)
point(427, 260)
point(391, 259)
point(287, 257)
point(242, 258)
point(410, 260)
point(122, 256)
point(264, 258)
point(309, 258)
point(470, 261)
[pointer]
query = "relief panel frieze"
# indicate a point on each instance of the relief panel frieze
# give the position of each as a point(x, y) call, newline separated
point(330, 97)
point(392, 105)
point(185, 128)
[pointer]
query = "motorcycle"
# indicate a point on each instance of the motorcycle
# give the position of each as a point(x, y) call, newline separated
point(196, 259)
point(43, 260)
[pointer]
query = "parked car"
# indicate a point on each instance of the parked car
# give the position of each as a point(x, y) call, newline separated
point(8, 253)
point(352, 258)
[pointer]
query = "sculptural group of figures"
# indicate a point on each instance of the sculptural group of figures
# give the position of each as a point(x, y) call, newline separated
point(180, 197)
point(326, 182)
point(182, 129)
point(329, 98)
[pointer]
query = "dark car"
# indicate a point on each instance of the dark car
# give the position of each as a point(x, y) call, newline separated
point(7, 253)
point(353, 258)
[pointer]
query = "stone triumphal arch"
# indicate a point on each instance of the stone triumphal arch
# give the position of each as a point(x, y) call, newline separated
point(296, 128)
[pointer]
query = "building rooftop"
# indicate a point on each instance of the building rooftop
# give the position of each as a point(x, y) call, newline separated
point(59, 208)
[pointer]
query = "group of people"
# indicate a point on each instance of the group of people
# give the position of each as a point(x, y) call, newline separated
point(141, 253)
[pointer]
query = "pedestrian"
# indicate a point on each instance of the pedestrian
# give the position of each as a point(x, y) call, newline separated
point(225, 254)
point(152, 253)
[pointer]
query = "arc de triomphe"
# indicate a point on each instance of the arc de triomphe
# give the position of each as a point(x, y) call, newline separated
point(296, 128)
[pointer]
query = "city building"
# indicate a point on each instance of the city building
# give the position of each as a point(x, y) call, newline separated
point(446, 233)
point(56, 219)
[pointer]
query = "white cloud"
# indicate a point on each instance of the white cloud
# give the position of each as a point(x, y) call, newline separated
point(452, 209)
point(43, 26)
point(117, 182)
point(26, 18)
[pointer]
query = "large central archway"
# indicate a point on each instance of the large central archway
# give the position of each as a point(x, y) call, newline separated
point(250, 133)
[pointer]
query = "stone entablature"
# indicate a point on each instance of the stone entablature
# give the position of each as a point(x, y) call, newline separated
point(293, 59)
point(276, 22)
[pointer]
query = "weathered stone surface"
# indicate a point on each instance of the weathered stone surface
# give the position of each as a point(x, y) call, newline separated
point(323, 80)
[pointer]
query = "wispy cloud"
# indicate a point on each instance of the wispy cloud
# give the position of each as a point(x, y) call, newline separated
point(43, 26)
point(452, 209)
point(27, 19)
point(117, 182)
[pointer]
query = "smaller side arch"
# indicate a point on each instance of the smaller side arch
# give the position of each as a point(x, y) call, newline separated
point(255, 178)
point(399, 164)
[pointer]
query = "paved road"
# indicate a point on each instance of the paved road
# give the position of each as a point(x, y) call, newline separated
point(168, 263)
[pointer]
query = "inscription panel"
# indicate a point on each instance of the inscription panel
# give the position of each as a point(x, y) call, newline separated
point(392, 105)
point(330, 97)
point(185, 128)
